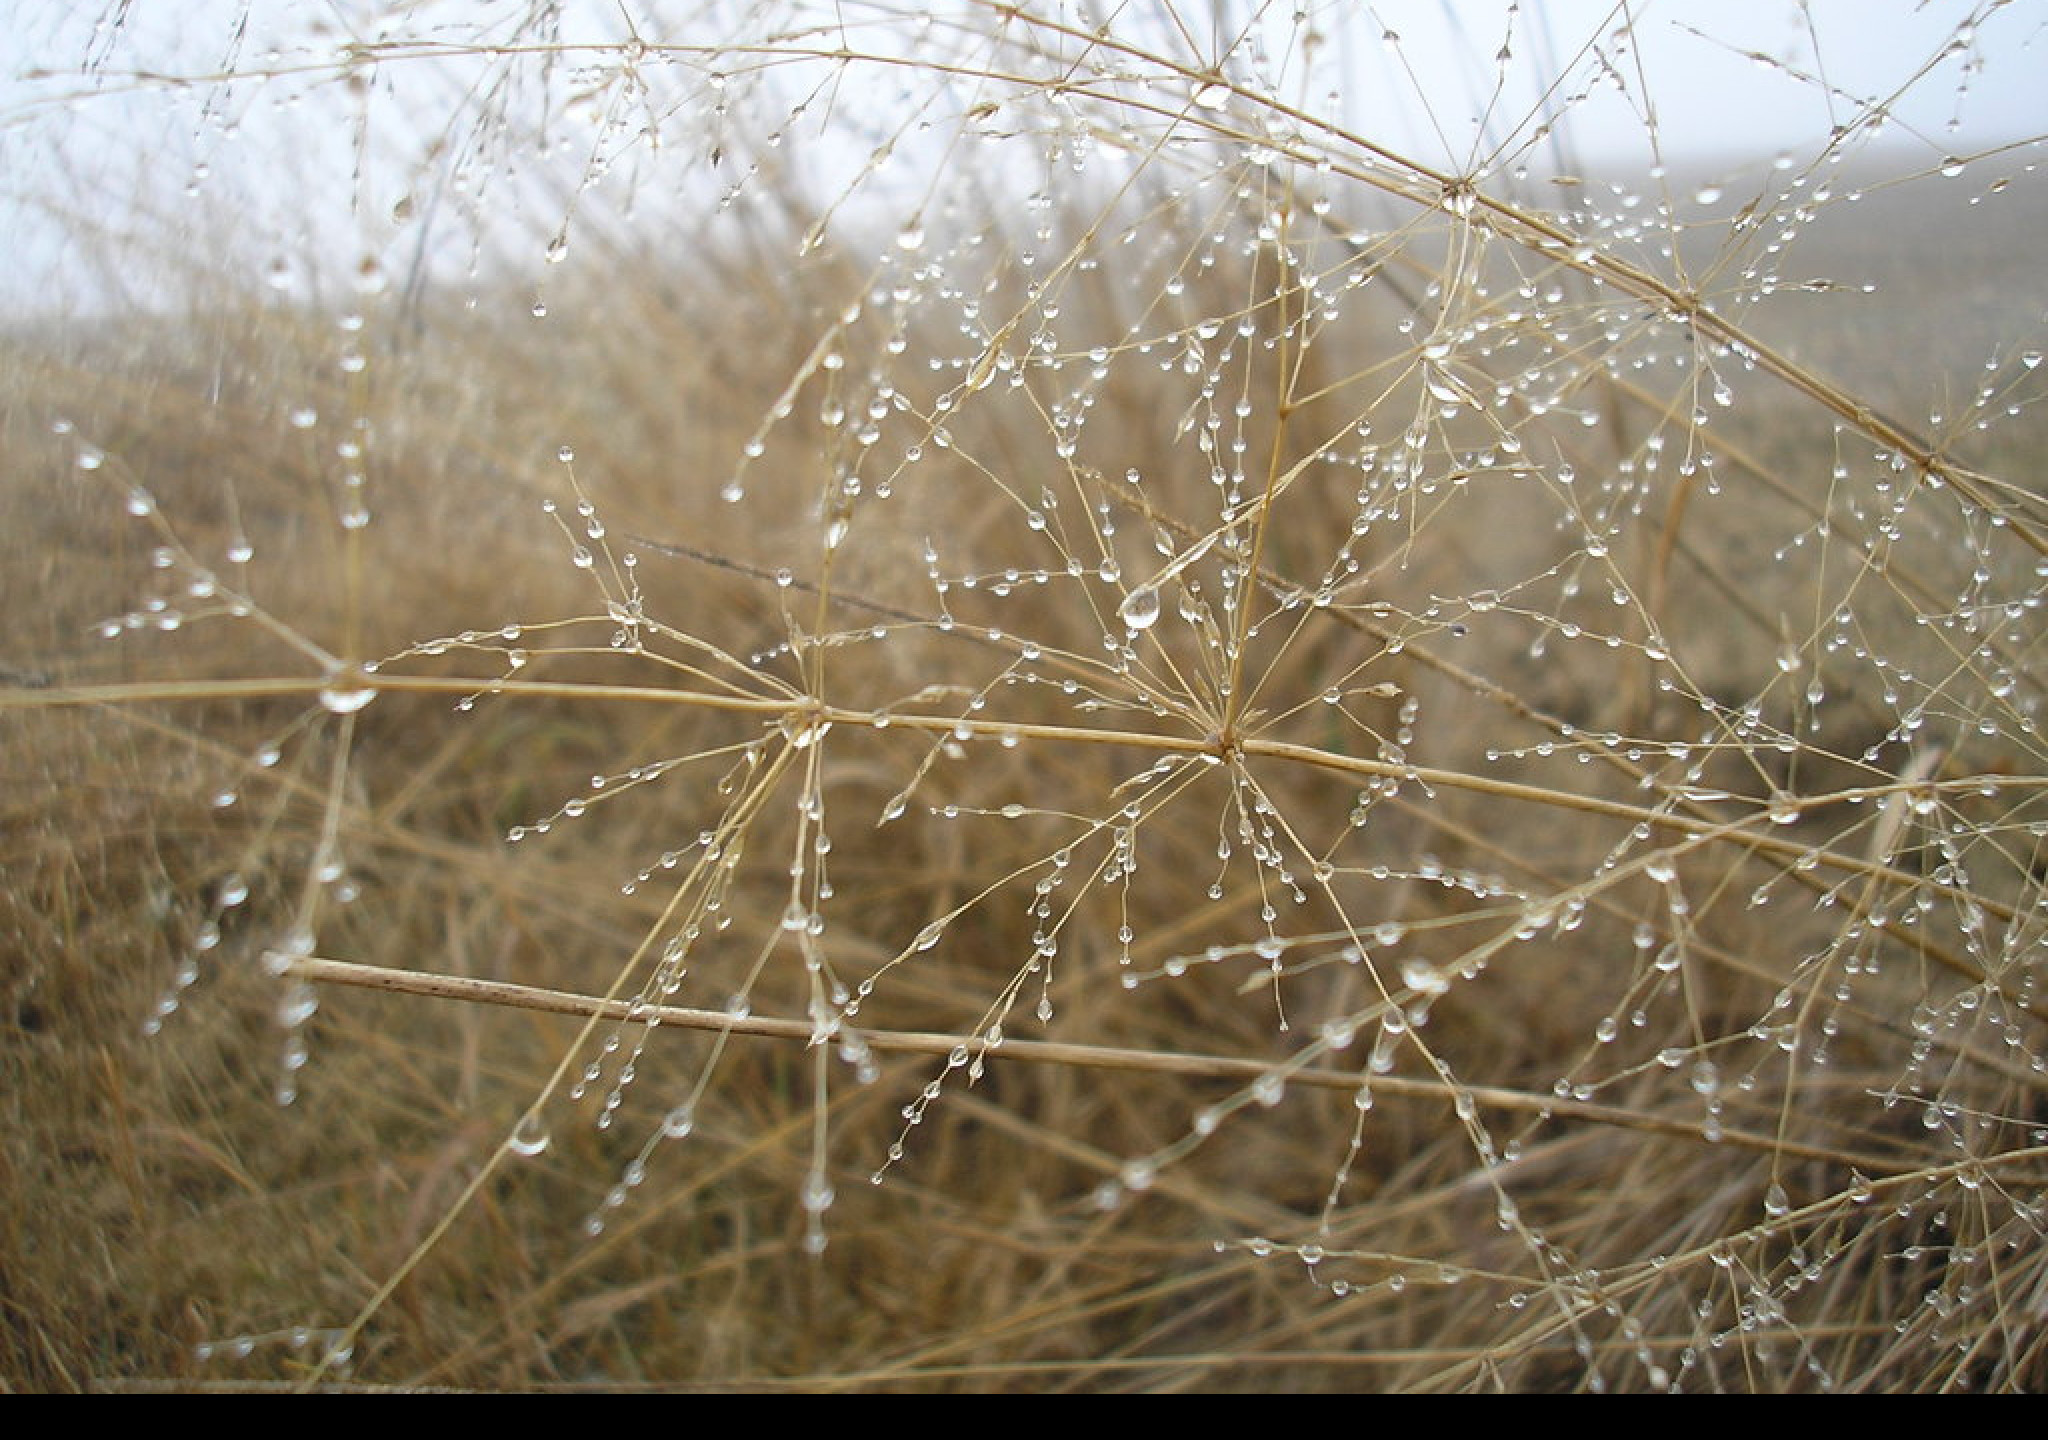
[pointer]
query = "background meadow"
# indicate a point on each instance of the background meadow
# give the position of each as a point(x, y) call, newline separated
point(1024, 697)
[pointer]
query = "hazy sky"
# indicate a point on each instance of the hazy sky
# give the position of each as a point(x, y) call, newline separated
point(1714, 99)
point(87, 187)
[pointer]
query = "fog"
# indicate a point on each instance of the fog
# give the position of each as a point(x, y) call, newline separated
point(150, 151)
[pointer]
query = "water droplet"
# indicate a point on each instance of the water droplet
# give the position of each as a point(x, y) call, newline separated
point(529, 1136)
point(1140, 610)
point(803, 729)
point(1424, 978)
point(346, 692)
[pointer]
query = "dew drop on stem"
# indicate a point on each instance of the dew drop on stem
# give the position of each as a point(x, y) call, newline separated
point(346, 692)
point(529, 1137)
point(1140, 610)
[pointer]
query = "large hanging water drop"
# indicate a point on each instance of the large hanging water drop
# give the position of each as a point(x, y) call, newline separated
point(530, 1137)
point(1140, 610)
point(346, 692)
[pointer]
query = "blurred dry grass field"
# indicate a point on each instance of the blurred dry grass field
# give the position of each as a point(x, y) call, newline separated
point(1275, 775)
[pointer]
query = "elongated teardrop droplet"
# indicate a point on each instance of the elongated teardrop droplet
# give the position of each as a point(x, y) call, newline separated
point(530, 1137)
point(1140, 610)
